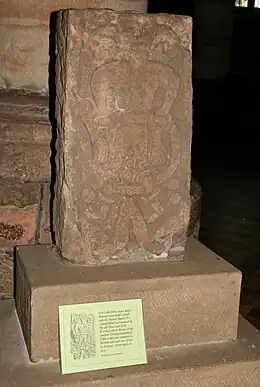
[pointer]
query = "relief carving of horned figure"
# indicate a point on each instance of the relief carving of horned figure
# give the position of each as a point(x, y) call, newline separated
point(134, 148)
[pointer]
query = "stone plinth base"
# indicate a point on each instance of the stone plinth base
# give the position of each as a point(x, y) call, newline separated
point(189, 302)
point(234, 364)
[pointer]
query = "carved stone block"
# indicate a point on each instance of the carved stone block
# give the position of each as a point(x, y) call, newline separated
point(124, 116)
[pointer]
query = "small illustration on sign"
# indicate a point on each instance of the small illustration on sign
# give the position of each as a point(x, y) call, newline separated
point(83, 345)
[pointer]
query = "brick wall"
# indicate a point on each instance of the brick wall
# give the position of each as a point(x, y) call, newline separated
point(25, 134)
point(24, 43)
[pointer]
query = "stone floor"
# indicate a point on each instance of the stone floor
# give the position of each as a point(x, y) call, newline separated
point(233, 363)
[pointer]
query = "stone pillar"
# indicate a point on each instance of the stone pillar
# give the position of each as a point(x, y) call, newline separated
point(24, 38)
point(124, 136)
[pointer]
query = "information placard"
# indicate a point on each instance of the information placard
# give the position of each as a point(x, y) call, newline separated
point(101, 335)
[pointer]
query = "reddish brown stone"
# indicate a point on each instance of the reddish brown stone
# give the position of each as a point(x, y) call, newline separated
point(17, 226)
point(45, 230)
point(19, 210)
point(25, 135)
point(25, 161)
point(124, 135)
point(24, 107)
point(19, 130)
point(24, 43)
point(6, 275)
point(19, 194)
point(41, 10)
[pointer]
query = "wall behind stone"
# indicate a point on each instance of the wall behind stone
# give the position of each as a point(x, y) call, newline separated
point(25, 134)
point(25, 25)
point(24, 38)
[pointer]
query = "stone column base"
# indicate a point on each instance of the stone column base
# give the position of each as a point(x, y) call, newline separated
point(190, 302)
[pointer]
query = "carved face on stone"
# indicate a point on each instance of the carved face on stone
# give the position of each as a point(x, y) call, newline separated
point(102, 45)
point(165, 46)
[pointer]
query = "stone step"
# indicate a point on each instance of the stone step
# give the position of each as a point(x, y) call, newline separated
point(25, 135)
point(231, 364)
point(189, 302)
point(28, 106)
